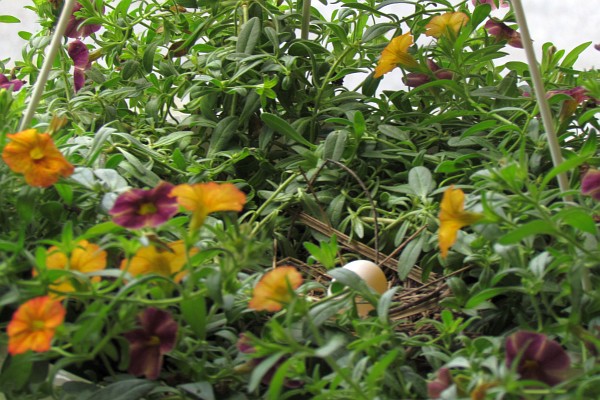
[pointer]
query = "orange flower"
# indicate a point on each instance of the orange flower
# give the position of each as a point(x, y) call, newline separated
point(35, 155)
point(453, 217)
point(205, 198)
point(85, 258)
point(167, 261)
point(33, 325)
point(275, 289)
point(448, 24)
point(394, 54)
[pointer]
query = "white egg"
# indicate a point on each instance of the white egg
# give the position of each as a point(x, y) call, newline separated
point(373, 277)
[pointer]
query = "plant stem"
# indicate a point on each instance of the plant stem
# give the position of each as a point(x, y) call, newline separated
point(305, 19)
point(40, 83)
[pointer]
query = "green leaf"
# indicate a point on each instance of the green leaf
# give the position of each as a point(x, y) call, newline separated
point(529, 229)
point(130, 389)
point(409, 256)
point(148, 57)
point(420, 181)
point(484, 295)
point(9, 19)
point(353, 281)
point(377, 31)
point(193, 311)
point(573, 55)
point(385, 301)
point(577, 218)
point(279, 125)
point(335, 144)
point(222, 134)
point(249, 36)
point(261, 369)
point(479, 14)
point(565, 166)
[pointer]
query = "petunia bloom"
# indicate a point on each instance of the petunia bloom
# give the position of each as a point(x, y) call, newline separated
point(205, 198)
point(501, 31)
point(275, 289)
point(86, 257)
point(139, 208)
point(442, 382)
point(453, 217)
point(14, 84)
point(76, 28)
point(395, 54)
point(448, 24)
point(148, 344)
point(35, 155)
point(80, 55)
point(590, 184)
point(167, 261)
point(536, 357)
point(492, 3)
point(34, 324)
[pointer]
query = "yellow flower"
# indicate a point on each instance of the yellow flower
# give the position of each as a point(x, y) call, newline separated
point(167, 262)
point(33, 325)
point(275, 289)
point(85, 258)
point(453, 217)
point(205, 198)
point(35, 155)
point(448, 24)
point(394, 54)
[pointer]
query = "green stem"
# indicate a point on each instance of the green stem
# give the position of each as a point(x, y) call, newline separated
point(305, 19)
point(272, 198)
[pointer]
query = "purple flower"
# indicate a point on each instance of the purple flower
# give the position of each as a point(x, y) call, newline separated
point(501, 31)
point(80, 55)
point(148, 344)
point(578, 96)
point(502, 3)
point(16, 84)
point(536, 357)
point(415, 79)
point(597, 46)
point(75, 29)
point(442, 382)
point(590, 184)
point(140, 208)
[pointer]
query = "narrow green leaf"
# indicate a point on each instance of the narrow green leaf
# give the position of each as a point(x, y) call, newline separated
point(223, 132)
point(148, 57)
point(565, 166)
point(409, 257)
point(529, 229)
point(249, 36)
point(577, 218)
point(385, 301)
point(9, 19)
point(279, 125)
point(130, 389)
point(335, 144)
point(420, 181)
point(484, 295)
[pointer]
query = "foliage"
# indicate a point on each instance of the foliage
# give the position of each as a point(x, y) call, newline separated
point(238, 92)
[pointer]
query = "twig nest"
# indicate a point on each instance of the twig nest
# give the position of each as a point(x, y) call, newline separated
point(374, 278)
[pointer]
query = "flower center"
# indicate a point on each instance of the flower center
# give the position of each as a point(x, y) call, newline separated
point(38, 325)
point(153, 341)
point(36, 153)
point(147, 208)
point(530, 368)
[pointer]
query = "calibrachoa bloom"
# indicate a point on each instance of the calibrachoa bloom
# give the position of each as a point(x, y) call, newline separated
point(139, 208)
point(578, 95)
point(275, 289)
point(590, 184)
point(395, 54)
point(80, 55)
point(148, 344)
point(536, 357)
point(448, 24)
point(442, 382)
point(33, 325)
point(205, 198)
point(75, 29)
point(35, 155)
point(453, 217)
point(86, 257)
point(501, 31)
point(502, 3)
point(167, 261)
point(15, 84)
point(416, 79)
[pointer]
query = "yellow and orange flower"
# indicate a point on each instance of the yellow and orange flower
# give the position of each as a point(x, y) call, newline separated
point(275, 289)
point(35, 155)
point(448, 24)
point(167, 261)
point(205, 198)
point(85, 258)
point(33, 325)
point(453, 217)
point(394, 54)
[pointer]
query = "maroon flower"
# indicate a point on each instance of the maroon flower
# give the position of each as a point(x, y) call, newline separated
point(140, 208)
point(80, 55)
point(415, 79)
point(501, 31)
point(597, 46)
point(578, 96)
point(442, 382)
point(590, 184)
point(536, 357)
point(148, 344)
point(75, 29)
point(502, 3)
point(16, 84)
